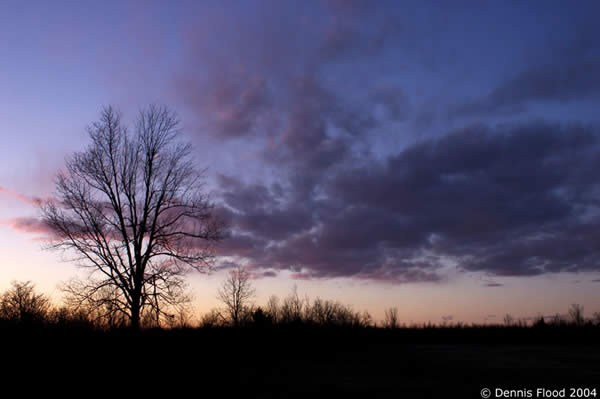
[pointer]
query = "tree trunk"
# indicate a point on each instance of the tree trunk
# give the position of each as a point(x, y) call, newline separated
point(135, 314)
point(135, 319)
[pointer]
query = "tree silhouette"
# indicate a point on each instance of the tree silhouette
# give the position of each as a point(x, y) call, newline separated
point(260, 318)
point(391, 318)
point(576, 314)
point(292, 308)
point(272, 308)
point(236, 293)
point(131, 209)
point(22, 304)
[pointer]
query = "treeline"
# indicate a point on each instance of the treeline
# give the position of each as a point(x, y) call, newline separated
point(291, 311)
point(22, 306)
point(296, 311)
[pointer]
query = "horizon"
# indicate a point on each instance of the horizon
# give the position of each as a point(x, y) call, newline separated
point(439, 159)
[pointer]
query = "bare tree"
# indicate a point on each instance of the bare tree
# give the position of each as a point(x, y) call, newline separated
point(273, 308)
point(576, 314)
point(366, 320)
point(22, 304)
point(329, 313)
point(214, 318)
point(236, 293)
point(391, 318)
point(292, 308)
point(131, 209)
point(557, 320)
point(596, 319)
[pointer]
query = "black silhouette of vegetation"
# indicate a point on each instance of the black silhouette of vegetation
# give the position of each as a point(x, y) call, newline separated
point(21, 305)
point(236, 293)
point(297, 346)
point(131, 209)
point(391, 318)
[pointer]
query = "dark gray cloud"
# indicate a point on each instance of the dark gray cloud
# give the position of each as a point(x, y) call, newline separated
point(268, 273)
point(394, 101)
point(564, 71)
point(512, 200)
point(307, 93)
point(539, 83)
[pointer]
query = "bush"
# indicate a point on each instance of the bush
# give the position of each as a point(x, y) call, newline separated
point(21, 304)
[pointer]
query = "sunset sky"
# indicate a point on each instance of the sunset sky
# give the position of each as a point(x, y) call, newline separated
point(441, 157)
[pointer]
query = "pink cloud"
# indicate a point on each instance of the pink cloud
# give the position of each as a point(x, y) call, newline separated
point(28, 225)
point(31, 200)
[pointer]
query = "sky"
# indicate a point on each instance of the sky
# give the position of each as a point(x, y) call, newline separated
point(439, 157)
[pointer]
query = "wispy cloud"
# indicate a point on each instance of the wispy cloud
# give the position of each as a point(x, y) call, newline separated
point(30, 200)
point(29, 225)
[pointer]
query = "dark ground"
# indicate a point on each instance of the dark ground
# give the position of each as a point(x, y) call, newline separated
point(307, 362)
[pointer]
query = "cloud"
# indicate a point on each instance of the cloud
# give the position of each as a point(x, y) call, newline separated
point(303, 93)
point(565, 72)
point(347, 35)
point(511, 200)
point(272, 75)
point(268, 273)
point(28, 225)
point(235, 108)
point(30, 200)
point(539, 83)
point(394, 101)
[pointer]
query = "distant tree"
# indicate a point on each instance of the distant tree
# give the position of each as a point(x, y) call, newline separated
point(272, 308)
point(596, 318)
point(557, 320)
point(22, 304)
point(509, 320)
point(391, 318)
point(292, 309)
point(576, 314)
point(214, 318)
point(366, 320)
point(329, 313)
point(539, 321)
point(320, 312)
point(183, 316)
point(131, 209)
point(236, 292)
point(260, 318)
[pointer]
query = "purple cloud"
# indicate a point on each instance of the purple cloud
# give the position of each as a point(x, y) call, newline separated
point(29, 225)
point(472, 196)
point(506, 199)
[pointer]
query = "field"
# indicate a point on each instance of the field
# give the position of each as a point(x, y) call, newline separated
point(319, 362)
